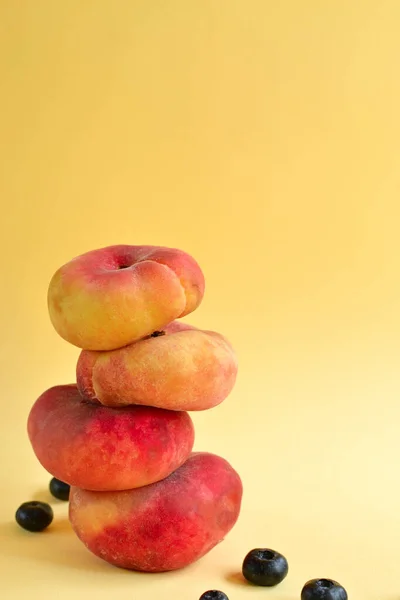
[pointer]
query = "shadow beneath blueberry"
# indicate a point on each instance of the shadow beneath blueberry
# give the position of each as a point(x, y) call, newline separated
point(237, 577)
point(57, 545)
point(44, 495)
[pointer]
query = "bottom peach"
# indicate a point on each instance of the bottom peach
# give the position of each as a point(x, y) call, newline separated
point(163, 526)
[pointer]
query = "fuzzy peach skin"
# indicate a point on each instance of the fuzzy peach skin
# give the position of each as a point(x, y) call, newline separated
point(182, 369)
point(110, 297)
point(164, 526)
point(101, 448)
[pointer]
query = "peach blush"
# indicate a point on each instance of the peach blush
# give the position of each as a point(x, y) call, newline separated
point(164, 526)
point(184, 369)
point(100, 448)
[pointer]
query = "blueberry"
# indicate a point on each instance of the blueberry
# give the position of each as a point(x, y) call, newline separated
point(214, 595)
point(59, 489)
point(323, 589)
point(263, 566)
point(34, 516)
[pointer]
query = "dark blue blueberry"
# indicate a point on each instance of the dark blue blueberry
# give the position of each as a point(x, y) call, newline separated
point(34, 516)
point(59, 489)
point(263, 566)
point(214, 595)
point(323, 589)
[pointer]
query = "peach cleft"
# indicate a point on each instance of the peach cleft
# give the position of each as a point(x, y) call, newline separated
point(110, 297)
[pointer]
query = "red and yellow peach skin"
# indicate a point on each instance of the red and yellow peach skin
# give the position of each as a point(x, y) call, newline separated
point(110, 297)
point(164, 526)
point(100, 448)
point(183, 369)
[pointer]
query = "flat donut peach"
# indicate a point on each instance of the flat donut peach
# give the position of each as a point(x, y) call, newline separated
point(100, 448)
point(110, 297)
point(179, 368)
point(164, 526)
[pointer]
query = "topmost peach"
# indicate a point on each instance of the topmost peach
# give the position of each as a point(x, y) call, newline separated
point(110, 297)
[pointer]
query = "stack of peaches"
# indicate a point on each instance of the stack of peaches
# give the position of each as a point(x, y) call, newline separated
point(122, 436)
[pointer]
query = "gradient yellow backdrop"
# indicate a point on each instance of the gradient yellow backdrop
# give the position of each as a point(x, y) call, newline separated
point(263, 138)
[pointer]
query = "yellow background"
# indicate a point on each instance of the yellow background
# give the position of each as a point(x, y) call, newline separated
point(263, 138)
